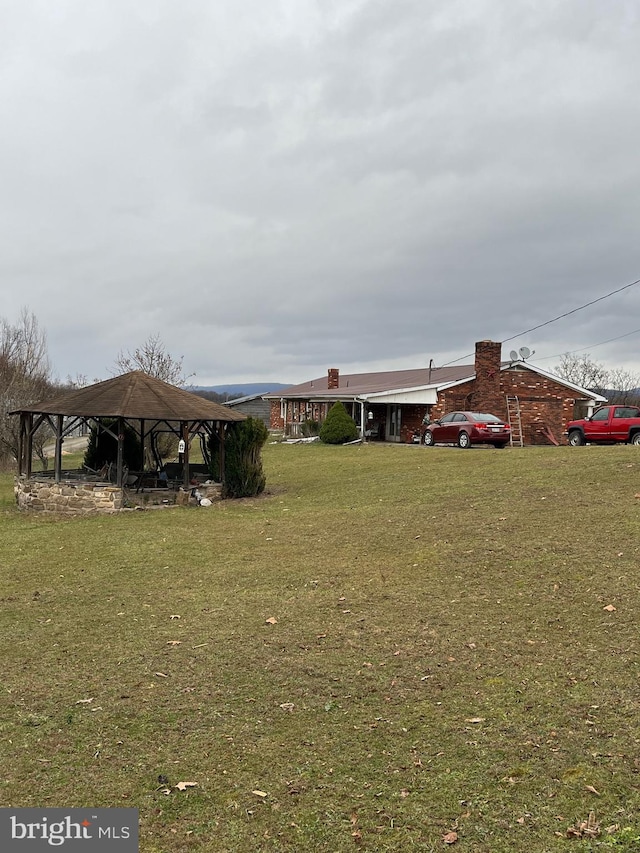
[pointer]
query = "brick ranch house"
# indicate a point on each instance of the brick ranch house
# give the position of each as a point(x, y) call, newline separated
point(390, 406)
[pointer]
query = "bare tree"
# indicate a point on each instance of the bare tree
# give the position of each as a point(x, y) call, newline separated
point(583, 371)
point(24, 378)
point(153, 358)
point(625, 387)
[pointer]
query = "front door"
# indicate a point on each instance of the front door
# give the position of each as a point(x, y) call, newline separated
point(394, 423)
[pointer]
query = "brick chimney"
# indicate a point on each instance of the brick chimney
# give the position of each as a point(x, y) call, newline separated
point(333, 378)
point(487, 395)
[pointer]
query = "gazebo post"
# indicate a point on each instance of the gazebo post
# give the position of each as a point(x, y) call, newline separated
point(221, 428)
point(142, 444)
point(58, 451)
point(23, 418)
point(28, 460)
point(184, 435)
point(119, 468)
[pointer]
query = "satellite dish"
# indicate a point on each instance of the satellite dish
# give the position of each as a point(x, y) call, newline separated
point(513, 355)
point(525, 352)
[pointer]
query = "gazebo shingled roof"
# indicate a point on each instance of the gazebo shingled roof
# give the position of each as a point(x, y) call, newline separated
point(134, 395)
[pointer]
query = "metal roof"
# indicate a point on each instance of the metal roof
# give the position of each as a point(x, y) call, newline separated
point(360, 384)
point(393, 383)
point(134, 395)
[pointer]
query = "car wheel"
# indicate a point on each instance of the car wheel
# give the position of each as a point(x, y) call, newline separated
point(463, 440)
point(635, 438)
point(428, 439)
point(576, 438)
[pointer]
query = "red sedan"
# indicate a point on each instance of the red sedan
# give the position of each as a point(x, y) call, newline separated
point(467, 428)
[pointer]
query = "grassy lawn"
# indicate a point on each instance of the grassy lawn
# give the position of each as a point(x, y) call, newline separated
point(439, 657)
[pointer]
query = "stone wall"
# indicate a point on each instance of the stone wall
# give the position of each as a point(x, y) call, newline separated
point(69, 497)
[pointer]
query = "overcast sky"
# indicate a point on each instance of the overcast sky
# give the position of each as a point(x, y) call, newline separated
point(276, 187)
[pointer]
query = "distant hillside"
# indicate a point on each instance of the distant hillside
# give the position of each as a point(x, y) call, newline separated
point(242, 389)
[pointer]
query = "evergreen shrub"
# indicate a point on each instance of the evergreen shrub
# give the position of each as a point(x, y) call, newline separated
point(338, 427)
point(243, 473)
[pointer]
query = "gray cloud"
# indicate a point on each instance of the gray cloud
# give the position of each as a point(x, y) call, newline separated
point(278, 187)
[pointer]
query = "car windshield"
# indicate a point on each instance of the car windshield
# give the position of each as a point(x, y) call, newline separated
point(488, 419)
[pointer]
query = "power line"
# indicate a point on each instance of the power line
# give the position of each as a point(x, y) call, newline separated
point(573, 311)
point(593, 346)
point(559, 317)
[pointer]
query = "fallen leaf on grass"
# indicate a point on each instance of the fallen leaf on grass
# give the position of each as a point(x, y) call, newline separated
point(588, 828)
point(174, 642)
point(162, 675)
point(84, 701)
point(592, 790)
point(475, 720)
point(609, 608)
point(450, 837)
point(175, 616)
point(182, 786)
point(271, 620)
point(287, 706)
point(260, 793)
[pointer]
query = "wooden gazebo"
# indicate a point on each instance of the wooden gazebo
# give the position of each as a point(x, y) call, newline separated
point(142, 402)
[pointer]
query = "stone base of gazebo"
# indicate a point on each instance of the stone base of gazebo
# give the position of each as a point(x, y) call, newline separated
point(81, 497)
point(68, 497)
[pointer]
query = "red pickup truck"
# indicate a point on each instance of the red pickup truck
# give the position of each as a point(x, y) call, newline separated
point(607, 425)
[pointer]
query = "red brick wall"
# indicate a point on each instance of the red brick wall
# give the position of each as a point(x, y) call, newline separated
point(411, 420)
point(275, 420)
point(543, 403)
point(487, 393)
point(297, 411)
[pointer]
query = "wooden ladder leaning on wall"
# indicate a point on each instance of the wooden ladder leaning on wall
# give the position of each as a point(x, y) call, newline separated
point(515, 421)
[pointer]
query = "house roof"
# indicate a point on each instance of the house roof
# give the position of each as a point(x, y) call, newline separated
point(394, 382)
point(247, 399)
point(362, 384)
point(134, 395)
